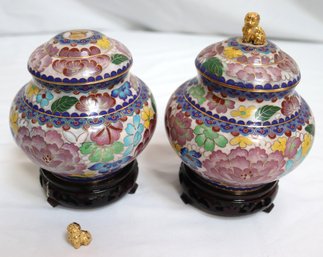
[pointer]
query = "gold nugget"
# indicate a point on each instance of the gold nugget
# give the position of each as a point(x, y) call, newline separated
point(76, 236)
point(252, 32)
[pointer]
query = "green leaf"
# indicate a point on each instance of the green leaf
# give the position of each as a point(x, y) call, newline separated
point(107, 155)
point(118, 58)
point(198, 92)
point(63, 104)
point(209, 133)
point(117, 147)
point(221, 141)
point(200, 140)
point(198, 130)
point(87, 147)
point(266, 112)
point(310, 129)
point(209, 145)
point(96, 155)
point(214, 66)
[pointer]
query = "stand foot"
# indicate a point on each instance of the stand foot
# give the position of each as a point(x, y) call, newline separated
point(89, 194)
point(215, 200)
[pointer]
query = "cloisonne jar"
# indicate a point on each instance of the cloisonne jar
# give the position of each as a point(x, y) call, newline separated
point(83, 118)
point(239, 125)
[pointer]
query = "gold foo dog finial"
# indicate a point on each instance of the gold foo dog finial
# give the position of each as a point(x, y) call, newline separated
point(252, 32)
point(76, 236)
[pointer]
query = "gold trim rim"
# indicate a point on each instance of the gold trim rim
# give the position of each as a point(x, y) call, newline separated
point(86, 117)
point(236, 124)
point(245, 89)
point(82, 84)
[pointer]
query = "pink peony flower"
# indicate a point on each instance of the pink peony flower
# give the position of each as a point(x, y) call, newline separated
point(254, 59)
point(286, 63)
point(211, 51)
point(122, 48)
point(40, 60)
point(243, 168)
point(251, 73)
point(49, 151)
point(51, 50)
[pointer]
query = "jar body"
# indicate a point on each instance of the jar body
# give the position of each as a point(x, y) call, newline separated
point(84, 131)
point(238, 139)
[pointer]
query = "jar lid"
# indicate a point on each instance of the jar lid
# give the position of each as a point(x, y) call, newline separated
point(79, 57)
point(250, 63)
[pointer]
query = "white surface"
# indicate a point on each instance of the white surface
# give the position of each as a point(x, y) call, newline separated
point(23, 17)
point(154, 222)
point(296, 19)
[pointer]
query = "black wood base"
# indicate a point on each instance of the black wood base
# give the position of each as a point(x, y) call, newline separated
point(215, 200)
point(89, 194)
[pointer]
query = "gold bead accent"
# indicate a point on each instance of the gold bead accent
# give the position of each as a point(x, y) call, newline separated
point(252, 32)
point(76, 236)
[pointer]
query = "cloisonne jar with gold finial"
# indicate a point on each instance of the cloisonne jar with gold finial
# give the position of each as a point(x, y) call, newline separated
point(239, 125)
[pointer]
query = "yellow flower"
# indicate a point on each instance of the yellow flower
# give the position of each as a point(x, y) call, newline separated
point(306, 144)
point(32, 90)
point(147, 115)
point(279, 144)
point(231, 52)
point(14, 121)
point(243, 111)
point(177, 147)
point(87, 174)
point(243, 142)
point(103, 43)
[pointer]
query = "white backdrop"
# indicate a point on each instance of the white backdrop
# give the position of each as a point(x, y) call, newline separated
point(154, 222)
point(288, 19)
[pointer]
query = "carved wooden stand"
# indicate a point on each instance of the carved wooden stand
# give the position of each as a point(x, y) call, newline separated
point(89, 194)
point(215, 200)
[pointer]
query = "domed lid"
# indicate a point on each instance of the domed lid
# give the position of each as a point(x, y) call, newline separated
point(250, 63)
point(79, 57)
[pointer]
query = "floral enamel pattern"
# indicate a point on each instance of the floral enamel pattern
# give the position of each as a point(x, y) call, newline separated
point(248, 67)
point(78, 57)
point(83, 115)
point(83, 135)
point(242, 144)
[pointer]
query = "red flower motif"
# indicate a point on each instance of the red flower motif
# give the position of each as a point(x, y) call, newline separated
point(289, 105)
point(219, 104)
point(107, 134)
point(75, 52)
point(179, 128)
point(95, 103)
point(91, 67)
